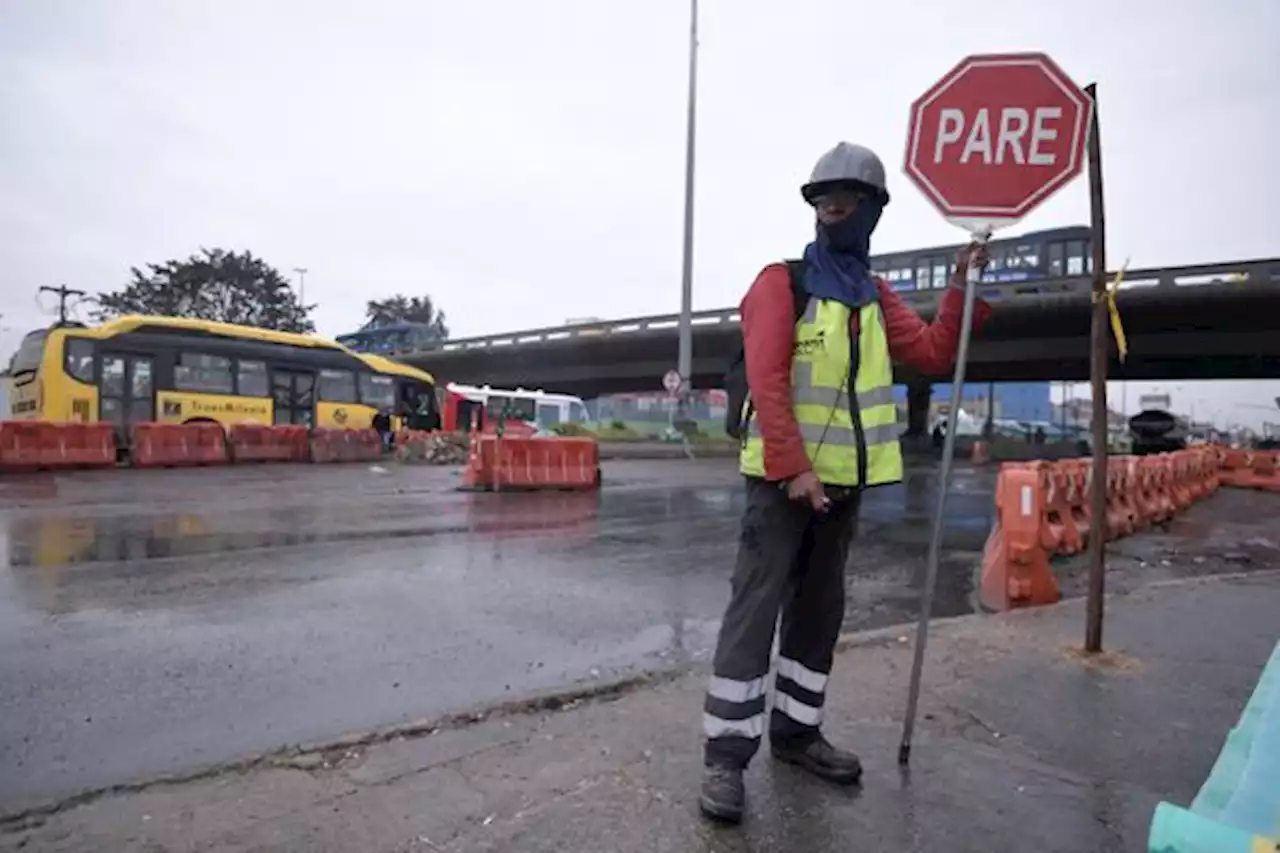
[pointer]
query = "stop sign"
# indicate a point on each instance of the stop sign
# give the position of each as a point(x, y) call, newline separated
point(997, 136)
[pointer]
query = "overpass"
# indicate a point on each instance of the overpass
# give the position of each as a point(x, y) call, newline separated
point(1209, 321)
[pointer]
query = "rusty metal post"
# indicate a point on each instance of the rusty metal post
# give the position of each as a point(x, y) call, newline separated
point(1098, 354)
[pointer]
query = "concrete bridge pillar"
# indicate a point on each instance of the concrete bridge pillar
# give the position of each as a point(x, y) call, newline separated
point(919, 395)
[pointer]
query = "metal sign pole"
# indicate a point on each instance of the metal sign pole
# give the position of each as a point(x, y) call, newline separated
point(944, 480)
point(684, 360)
point(1098, 357)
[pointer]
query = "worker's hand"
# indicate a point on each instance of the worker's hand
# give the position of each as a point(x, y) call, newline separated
point(975, 255)
point(807, 488)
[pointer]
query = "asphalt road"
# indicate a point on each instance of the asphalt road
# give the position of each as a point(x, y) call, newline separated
point(157, 621)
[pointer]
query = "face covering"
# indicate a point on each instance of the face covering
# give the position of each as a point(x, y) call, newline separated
point(838, 261)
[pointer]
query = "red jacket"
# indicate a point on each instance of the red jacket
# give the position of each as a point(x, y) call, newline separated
point(768, 331)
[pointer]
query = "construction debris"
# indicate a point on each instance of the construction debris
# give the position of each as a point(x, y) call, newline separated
point(435, 448)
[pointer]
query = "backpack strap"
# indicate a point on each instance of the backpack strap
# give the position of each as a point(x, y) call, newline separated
point(800, 301)
point(799, 296)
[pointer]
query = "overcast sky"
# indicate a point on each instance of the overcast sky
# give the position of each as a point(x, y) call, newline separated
point(522, 162)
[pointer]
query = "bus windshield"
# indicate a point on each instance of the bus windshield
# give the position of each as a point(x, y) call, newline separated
point(27, 359)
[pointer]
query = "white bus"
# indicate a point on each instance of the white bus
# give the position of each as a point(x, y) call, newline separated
point(539, 408)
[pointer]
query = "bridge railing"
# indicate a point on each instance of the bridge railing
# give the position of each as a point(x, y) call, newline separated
point(1233, 274)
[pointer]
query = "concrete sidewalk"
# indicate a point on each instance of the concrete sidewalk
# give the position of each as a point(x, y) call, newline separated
point(1022, 745)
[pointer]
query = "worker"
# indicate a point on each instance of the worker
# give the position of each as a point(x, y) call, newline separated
point(810, 447)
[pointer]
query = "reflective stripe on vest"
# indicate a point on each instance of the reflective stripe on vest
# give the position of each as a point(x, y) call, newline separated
point(820, 366)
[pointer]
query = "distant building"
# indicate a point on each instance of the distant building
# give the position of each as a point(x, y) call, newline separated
point(1018, 401)
point(1160, 402)
point(657, 406)
point(1079, 412)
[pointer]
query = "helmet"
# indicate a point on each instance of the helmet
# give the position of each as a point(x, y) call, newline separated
point(847, 165)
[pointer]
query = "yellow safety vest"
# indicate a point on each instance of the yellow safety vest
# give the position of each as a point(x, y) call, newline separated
point(821, 365)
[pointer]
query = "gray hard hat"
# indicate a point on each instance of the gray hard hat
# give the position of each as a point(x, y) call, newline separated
point(847, 165)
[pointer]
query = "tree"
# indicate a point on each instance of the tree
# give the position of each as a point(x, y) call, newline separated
point(401, 309)
point(214, 285)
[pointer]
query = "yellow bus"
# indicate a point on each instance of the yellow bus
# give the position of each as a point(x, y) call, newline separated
point(173, 370)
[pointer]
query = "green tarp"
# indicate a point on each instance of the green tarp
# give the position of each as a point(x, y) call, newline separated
point(1238, 808)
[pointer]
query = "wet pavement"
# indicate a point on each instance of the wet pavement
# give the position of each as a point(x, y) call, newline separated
point(156, 621)
point(1023, 744)
point(152, 622)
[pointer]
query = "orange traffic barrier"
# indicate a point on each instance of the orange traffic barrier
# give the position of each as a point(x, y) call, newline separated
point(479, 470)
point(1122, 515)
point(157, 445)
point(1060, 529)
point(261, 443)
point(40, 445)
point(1042, 509)
point(1237, 468)
point(563, 462)
point(1251, 469)
point(1015, 563)
point(346, 445)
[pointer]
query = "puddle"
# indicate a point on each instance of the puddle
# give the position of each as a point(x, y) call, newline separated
point(65, 540)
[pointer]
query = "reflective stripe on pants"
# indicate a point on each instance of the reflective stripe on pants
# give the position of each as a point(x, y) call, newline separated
point(775, 531)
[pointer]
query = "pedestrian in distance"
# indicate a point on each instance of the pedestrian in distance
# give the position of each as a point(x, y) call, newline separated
point(382, 424)
point(811, 400)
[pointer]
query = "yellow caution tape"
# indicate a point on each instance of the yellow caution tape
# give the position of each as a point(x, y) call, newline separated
point(1117, 327)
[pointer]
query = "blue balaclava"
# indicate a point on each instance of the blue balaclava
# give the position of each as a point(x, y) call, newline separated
point(838, 261)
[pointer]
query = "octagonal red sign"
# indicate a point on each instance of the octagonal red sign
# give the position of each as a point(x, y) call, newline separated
point(996, 136)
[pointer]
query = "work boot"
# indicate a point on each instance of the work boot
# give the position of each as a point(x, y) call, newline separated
point(821, 759)
point(723, 794)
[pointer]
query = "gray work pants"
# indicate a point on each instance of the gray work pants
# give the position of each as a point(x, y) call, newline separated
point(790, 561)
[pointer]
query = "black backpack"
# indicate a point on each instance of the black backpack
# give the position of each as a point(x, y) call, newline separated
point(735, 379)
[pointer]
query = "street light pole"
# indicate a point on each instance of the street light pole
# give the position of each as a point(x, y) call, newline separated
point(684, 362)
point(302, 285)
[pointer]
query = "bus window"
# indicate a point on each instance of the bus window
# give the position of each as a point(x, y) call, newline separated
point(939, 273)
point(548, 414)
point(209, 374)
point(577, 413)
point(377, 391)
point(519, 408)
point(337, 386)
point(112, 389)
point(1055, 259)
point(1075, 257)
point(79, 359)
point(251, 379)
point(141, 390)
point(1030, 257)
point(113, 376)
